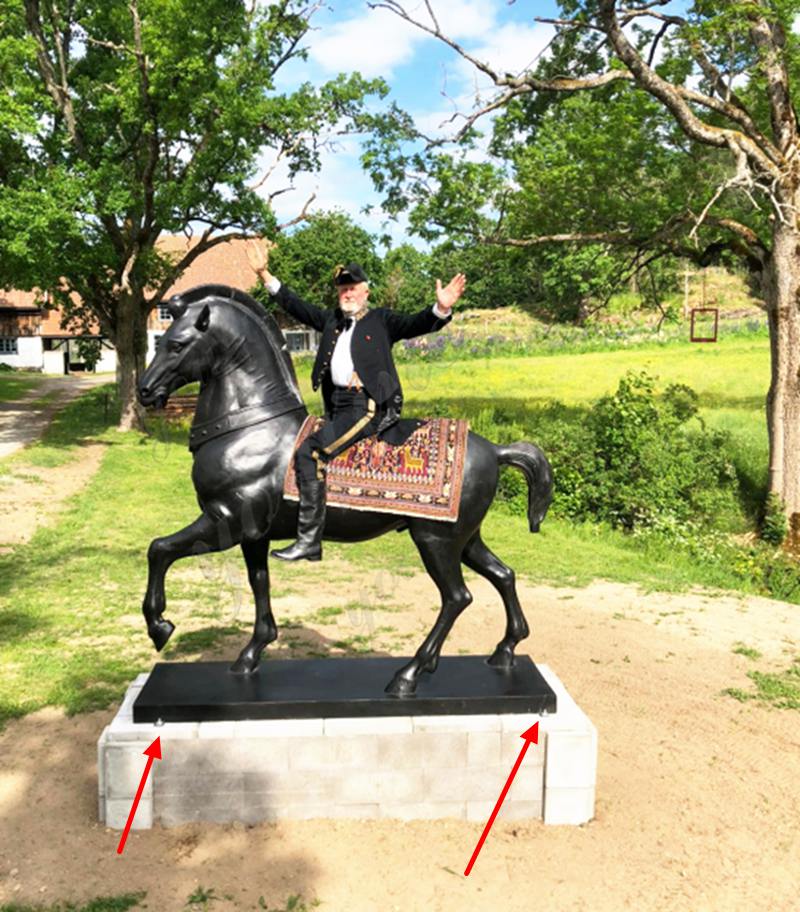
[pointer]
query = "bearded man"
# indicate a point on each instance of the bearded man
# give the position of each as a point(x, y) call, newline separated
point(360, 386)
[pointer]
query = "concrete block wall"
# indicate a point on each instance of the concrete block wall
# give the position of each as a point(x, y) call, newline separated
point(404, 767)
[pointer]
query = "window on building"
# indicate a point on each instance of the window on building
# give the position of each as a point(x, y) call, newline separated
point(297, 341)
point(8, 345)
point(164, 314)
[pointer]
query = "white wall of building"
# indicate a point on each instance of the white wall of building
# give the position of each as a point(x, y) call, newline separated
point(152, 336)
point(29, 353)
point(108, 361)
point(53, 362)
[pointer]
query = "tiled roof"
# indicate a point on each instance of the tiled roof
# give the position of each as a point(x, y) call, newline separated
point(224, 264)
point(18, 300)
point(51, 324)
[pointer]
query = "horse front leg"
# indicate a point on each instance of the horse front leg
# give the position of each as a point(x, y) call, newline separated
point(265, 629)
point(202, 536)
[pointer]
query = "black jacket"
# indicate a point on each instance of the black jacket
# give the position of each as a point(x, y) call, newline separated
point(371, 345)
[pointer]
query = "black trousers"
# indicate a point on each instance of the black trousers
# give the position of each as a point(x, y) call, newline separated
point(354, 416)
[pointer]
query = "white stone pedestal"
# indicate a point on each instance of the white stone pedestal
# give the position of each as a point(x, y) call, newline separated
point(405, 767)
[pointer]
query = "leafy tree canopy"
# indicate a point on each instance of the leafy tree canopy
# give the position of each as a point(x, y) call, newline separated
point(306, 258)
point(126, 119)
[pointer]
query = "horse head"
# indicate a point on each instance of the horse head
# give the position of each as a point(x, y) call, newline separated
point(182, 353)
point(218, 332)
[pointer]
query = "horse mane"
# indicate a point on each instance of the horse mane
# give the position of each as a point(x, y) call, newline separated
point(178, 303)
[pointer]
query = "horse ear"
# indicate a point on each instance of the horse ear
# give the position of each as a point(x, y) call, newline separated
point(204, 319)
point(176, 306)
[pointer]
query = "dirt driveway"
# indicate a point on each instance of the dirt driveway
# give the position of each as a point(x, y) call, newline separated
point(23, 420)
point(698, 795)
point(29, 496)
point(698, 804)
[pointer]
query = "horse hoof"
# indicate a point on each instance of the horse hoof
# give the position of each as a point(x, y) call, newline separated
point(400, 687)
point(160, 632)
point(244, 665)
point(501, 658)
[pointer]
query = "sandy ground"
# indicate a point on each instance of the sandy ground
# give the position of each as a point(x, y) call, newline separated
point(698, 795)
point(23, 420)
point(698, 803)
point(31, 496)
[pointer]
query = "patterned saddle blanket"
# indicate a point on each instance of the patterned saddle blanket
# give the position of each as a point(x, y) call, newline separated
point(421, 477)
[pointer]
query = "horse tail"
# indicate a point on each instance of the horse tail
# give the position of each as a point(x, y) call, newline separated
point(538, 473)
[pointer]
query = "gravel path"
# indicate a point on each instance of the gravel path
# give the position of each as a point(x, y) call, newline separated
point(23, 420)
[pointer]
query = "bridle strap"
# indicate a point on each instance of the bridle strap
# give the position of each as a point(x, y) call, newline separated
point(246, 417)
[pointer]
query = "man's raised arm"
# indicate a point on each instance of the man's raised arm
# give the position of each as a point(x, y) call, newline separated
point(431, 319)
point(308, 314)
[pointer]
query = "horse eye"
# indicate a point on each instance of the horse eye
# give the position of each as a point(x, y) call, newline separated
point(174, 346)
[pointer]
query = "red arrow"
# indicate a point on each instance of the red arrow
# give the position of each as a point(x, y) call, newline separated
point(530, 736)
point(153, 753)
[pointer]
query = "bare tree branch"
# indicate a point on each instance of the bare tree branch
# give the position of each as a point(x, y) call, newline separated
point(760, 152)
point(675, 100)
point(303, 216)
point(768, 37)
point(59, 92)
point(148, 176)
point(109, 45)
point(742, 178)
point(206, 242)
point(579, 237)
point(665, 240)
point(656, 41)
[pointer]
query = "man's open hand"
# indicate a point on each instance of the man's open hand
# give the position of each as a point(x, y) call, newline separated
point(446, 297)
point(258, 256)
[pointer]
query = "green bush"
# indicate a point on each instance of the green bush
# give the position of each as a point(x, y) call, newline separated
point(635, 464)
point(775, 526)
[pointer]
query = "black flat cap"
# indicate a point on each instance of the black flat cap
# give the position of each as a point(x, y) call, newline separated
point(351, 274)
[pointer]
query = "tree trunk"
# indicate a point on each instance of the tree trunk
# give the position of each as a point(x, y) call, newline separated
point(131, 344)
point(782, 294)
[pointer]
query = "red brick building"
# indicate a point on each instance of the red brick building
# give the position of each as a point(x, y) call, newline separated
point(31, 334)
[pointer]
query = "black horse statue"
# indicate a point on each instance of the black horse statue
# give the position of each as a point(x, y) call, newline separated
point(248, 414)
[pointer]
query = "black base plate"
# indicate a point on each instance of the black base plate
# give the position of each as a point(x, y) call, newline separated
point(337, 688)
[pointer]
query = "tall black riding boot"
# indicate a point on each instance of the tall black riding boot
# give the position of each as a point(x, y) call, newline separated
point(310, 520)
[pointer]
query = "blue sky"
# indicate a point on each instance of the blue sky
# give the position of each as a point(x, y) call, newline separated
point(427, 78)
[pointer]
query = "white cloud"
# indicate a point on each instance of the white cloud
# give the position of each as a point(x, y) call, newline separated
point(340, 184)
point(511, 48)
point(464, 18)
point(377, 41)
point(374, 44)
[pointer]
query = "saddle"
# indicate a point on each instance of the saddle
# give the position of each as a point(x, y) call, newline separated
point(420, 477)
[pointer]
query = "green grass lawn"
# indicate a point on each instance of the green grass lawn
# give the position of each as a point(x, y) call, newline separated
point(15, 384)
point(731, 378)
point(71, 631)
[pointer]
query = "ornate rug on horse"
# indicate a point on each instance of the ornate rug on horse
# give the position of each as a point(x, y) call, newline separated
point(421, 477)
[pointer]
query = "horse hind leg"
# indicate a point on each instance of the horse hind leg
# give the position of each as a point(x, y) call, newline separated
point(479, 558)
point(441, 559)
point(265, 630)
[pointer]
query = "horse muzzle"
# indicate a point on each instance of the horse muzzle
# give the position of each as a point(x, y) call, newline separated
point(155, 396)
